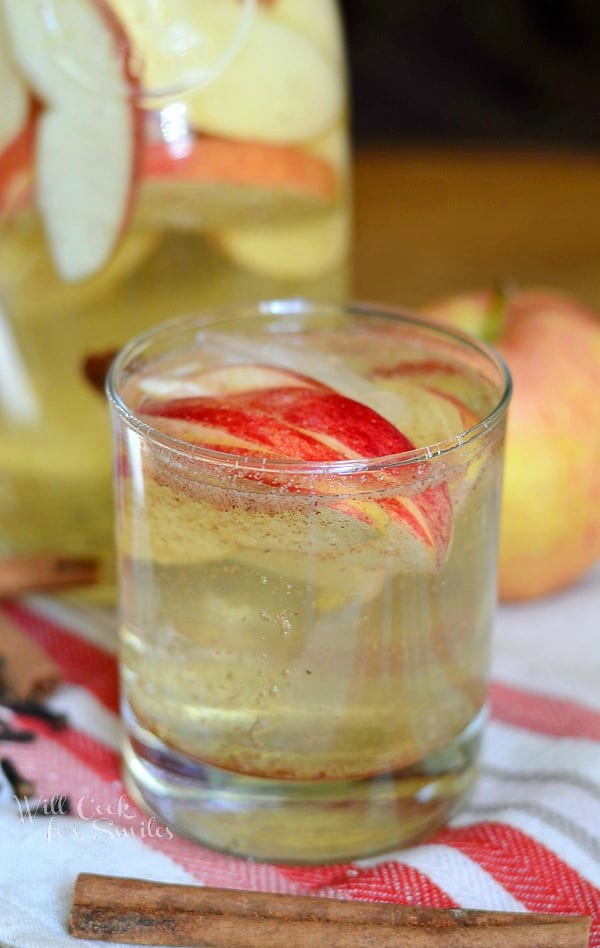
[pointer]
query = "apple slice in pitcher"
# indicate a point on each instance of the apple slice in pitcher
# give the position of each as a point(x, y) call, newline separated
point(318, 19)
point(313, 422)
point(293, 250)
point(244, 77)
point(201, 182)
point(279, 88)
point(89, 133)
point(16, 134)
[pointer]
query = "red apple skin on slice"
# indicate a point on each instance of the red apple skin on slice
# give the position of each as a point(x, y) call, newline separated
point(309, 424)
point(16, 173)
point(209, 158)
point(320, 424)
point(358, 431)
point(257, 427)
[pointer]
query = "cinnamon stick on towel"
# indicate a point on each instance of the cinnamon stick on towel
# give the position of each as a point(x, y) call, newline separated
point(152, 913)
point(27, 672)
point(44, 571)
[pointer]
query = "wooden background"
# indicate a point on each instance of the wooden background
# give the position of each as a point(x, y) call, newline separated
point(432, 221)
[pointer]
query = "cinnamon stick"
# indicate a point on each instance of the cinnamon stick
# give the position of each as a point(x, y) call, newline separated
point(141, 912)
point(44, 571)
point(27, 672)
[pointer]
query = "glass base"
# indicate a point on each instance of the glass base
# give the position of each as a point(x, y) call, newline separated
point(298, 822)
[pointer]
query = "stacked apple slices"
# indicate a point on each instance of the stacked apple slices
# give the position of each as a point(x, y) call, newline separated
point(262, 167)
point(88, 136)
point(354, 523)
point(234, 158)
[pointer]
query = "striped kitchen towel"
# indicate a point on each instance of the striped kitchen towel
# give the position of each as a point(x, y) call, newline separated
point(529, 838)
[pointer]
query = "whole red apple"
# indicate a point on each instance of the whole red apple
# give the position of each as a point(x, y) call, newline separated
point(550, 526)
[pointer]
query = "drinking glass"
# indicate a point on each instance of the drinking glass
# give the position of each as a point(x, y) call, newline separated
point(307, 505)
point(156, 156)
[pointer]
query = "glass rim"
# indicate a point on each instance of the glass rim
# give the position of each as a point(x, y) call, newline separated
point(255, 463)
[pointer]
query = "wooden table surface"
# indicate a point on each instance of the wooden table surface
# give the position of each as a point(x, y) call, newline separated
point(430, 222)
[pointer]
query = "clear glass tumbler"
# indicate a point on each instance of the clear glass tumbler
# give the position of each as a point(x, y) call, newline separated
point(307, 505)
point(156, 156)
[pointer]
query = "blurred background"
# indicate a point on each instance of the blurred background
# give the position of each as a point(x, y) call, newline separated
point(511, 71)
point(478, 131)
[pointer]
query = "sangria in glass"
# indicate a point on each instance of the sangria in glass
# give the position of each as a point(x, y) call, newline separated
point(307, 509)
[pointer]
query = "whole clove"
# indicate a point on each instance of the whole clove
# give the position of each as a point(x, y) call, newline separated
point(21, 786)
point(27, 671)
point(35, 709)
point(24, 789)
point(8, 733)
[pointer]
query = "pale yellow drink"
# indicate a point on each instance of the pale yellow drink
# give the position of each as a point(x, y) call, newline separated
point(305, 645)
point(233, 196)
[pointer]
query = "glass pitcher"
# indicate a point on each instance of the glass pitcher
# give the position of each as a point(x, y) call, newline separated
point(156, 157)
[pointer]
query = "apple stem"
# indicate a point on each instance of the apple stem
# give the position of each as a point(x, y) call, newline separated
point(499, 300)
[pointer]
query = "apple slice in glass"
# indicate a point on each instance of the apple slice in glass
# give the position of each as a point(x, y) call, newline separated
point(433, 414)
point(88, 135)
point(315, 423)
point(442, 377)
point(222, 380)
point(356, 431)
